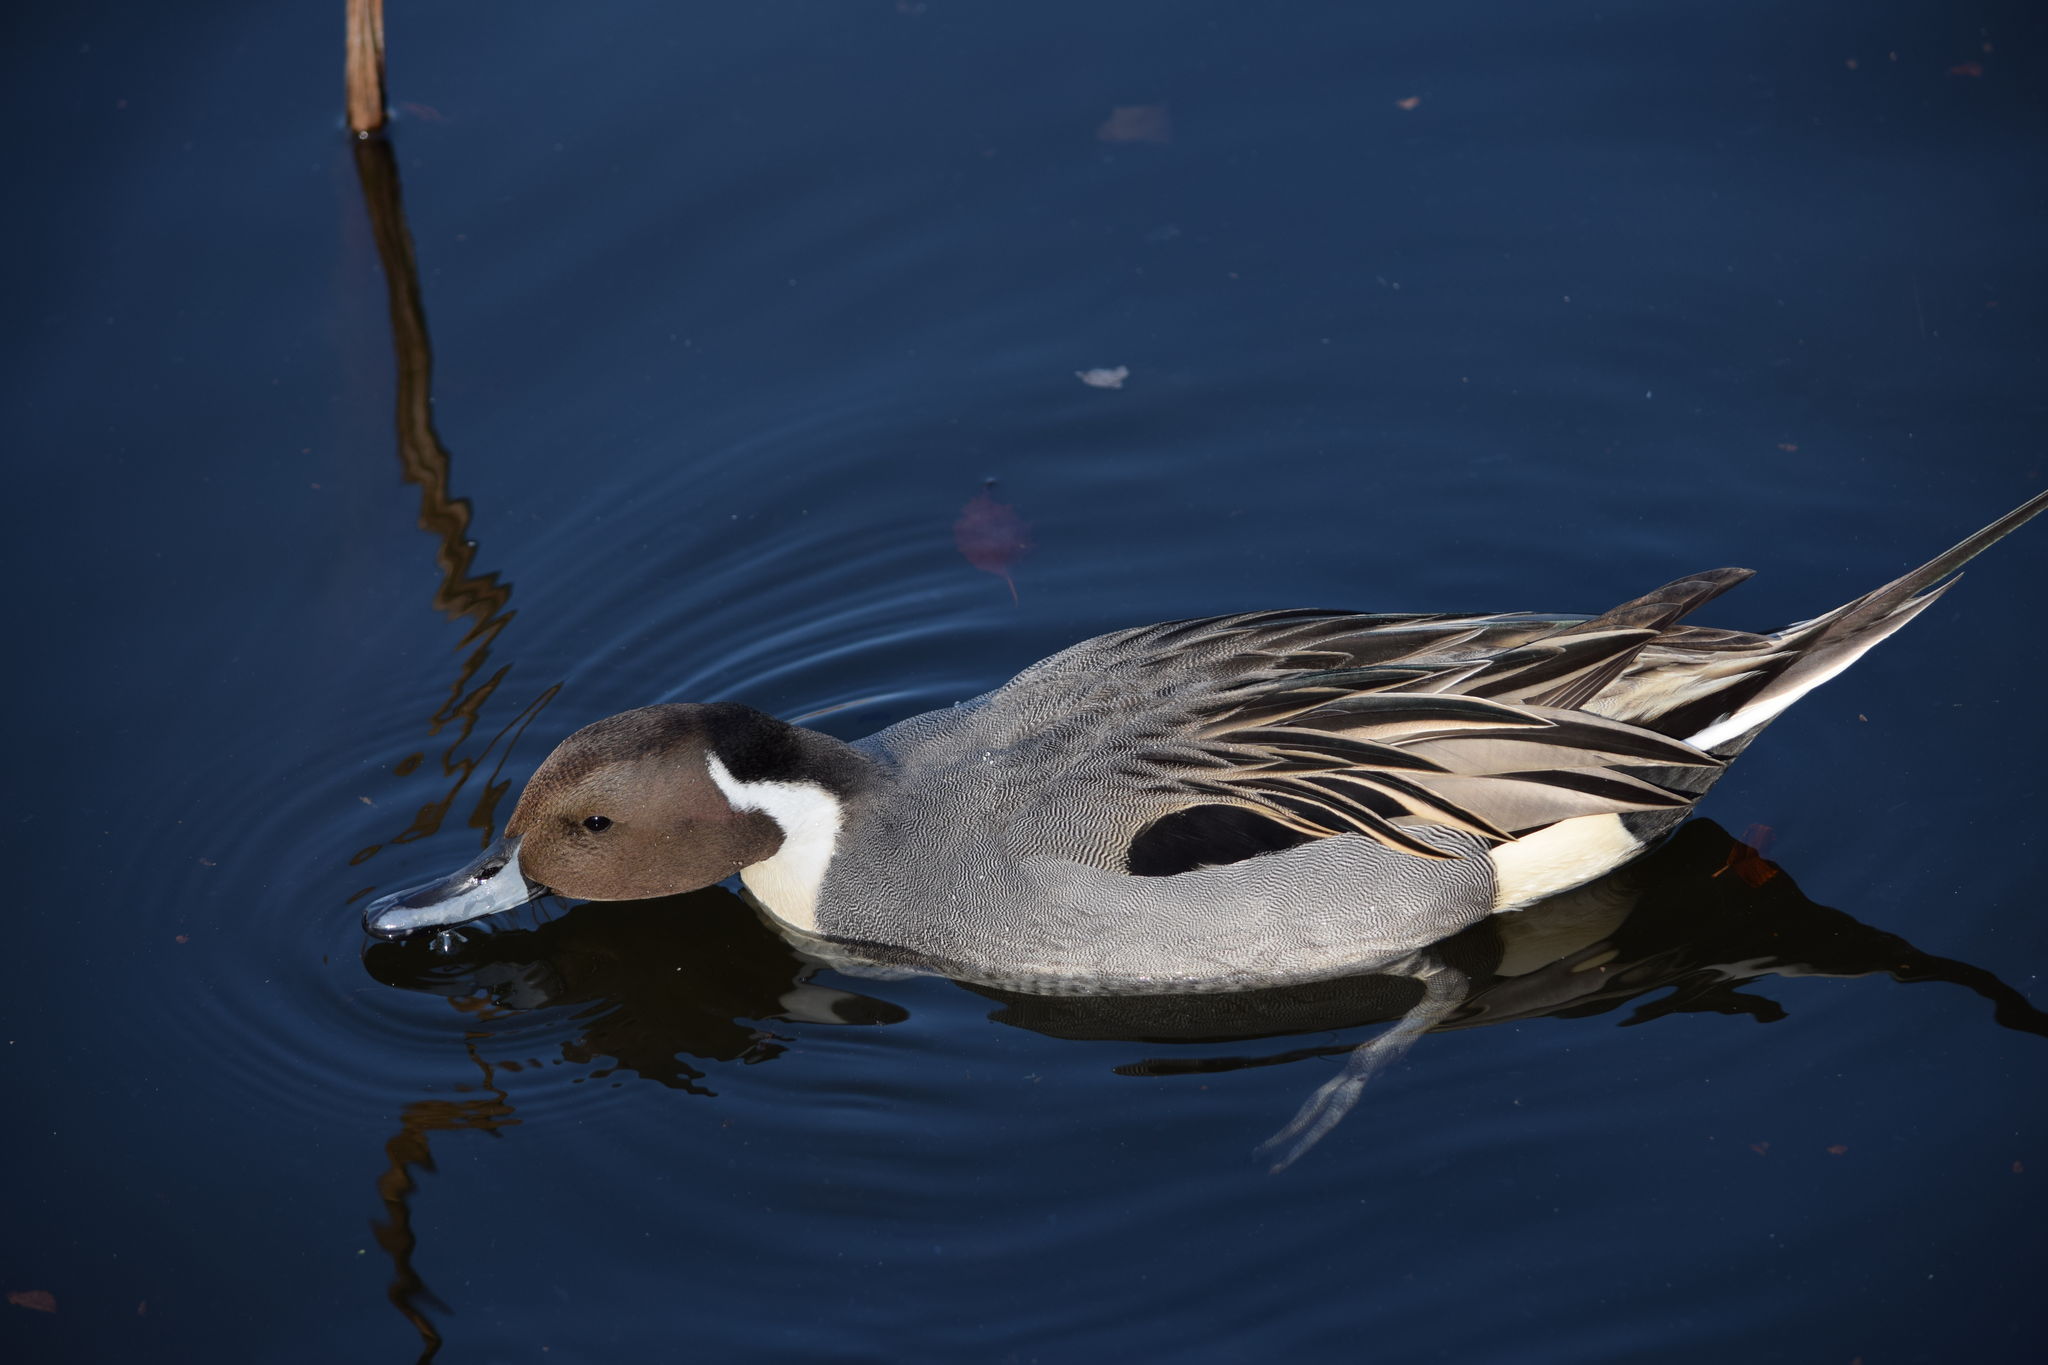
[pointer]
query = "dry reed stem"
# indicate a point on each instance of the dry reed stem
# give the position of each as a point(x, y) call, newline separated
point(365, 66)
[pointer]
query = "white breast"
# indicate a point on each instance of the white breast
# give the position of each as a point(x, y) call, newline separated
point(810, 818)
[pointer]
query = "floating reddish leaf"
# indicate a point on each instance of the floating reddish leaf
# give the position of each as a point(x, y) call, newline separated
point(1760, 1148)
point(1412, 102)
point(991, 535)
point(42, 1300)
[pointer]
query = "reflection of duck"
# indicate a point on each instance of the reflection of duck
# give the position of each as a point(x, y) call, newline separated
point(658, 980)
point(1221, 804)
point(698, 976)
point(1679, 918)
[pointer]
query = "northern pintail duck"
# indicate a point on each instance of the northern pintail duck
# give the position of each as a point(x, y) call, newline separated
point(1212, 804)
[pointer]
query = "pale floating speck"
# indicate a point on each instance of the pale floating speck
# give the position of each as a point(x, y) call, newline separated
point(1104, 379)
point(1412, 102)
point(1136, 123)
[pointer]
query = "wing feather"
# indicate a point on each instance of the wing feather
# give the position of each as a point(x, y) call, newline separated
point(1328, 723)
point(1323, 751)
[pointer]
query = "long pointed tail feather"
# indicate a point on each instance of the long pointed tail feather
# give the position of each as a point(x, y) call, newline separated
point(1814, 651)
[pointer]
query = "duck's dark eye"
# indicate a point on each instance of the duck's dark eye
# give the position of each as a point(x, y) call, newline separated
point(597, 824)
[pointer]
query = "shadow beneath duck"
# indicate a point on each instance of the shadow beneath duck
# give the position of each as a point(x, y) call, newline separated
point(651, 982)
point(1704, 917)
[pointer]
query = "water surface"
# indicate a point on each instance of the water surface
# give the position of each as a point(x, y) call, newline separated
point(733, 309)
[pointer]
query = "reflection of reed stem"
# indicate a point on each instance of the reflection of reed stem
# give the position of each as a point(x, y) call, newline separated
point(408, 1151)
point(425, 462)
point(420, 452)
point(365, 77)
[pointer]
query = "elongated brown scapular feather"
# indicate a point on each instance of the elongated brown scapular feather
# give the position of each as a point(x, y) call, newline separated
point(1344, 748)
point(1417, 799)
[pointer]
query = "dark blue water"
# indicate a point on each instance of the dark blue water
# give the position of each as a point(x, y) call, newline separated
point(733, 309)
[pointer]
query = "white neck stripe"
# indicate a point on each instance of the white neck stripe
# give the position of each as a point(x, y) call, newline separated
point(787, 883)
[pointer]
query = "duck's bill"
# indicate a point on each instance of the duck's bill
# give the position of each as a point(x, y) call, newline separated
point(490, 884)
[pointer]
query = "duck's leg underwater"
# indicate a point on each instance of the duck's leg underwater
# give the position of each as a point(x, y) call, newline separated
point(1443, 988)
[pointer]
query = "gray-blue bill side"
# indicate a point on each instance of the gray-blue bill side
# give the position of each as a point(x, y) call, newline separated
point(490, 884)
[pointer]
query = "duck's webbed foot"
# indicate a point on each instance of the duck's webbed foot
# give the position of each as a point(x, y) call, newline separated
point(1443, 988)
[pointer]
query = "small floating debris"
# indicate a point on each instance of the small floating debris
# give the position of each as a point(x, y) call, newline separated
point(1136, 123)
point(446, 942)
point(1104, 379)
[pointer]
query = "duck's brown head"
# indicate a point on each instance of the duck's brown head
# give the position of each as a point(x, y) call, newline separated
point(650, 802)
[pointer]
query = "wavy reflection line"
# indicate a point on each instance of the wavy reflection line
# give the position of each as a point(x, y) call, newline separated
point(424, 461)
point(408, 1151)
point(461, 593)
